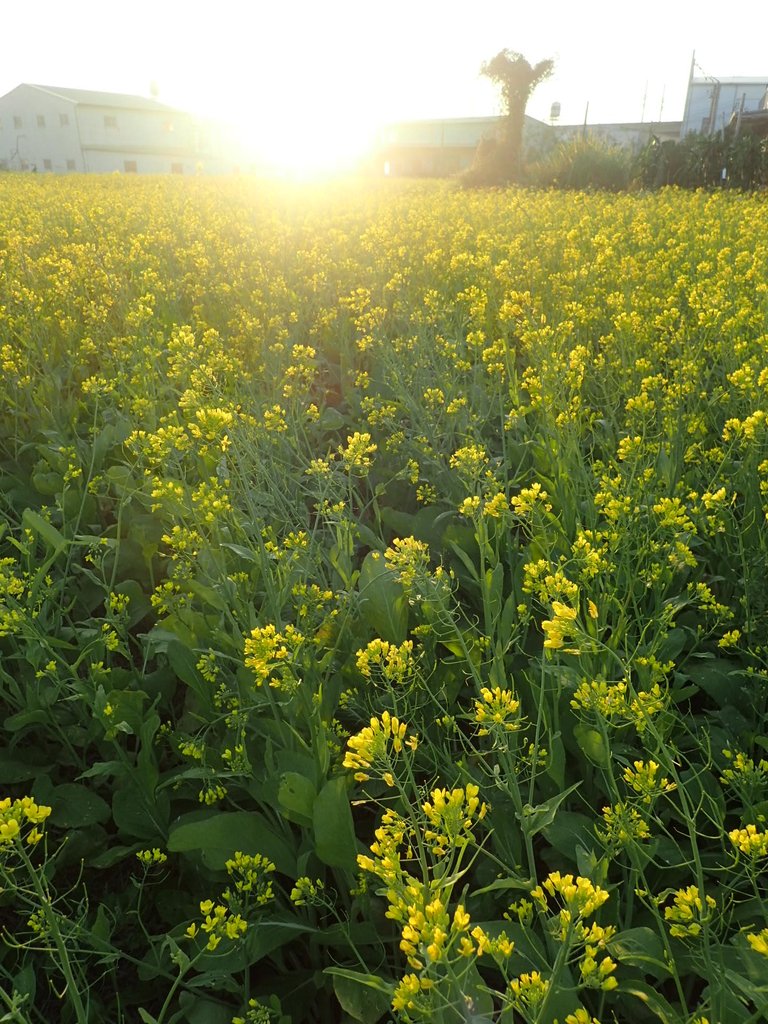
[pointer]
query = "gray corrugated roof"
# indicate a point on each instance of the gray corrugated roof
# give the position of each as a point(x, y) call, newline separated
point(104, 99)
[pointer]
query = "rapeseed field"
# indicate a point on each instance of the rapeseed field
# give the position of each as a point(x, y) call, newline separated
point(383, 605)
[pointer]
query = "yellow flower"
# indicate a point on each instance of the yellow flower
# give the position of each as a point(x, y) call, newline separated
point(759, 942)
point(374, 746)
point(750, 841)
point(688, 913)
point(497, 708)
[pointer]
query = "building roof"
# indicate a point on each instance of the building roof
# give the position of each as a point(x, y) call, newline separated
point(731, 80)
point(88, 97)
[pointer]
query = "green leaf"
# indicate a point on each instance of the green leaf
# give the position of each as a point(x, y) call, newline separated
point(136, 816)
point(219, 836)
point(504, 885)
point(384, 607)
point(296, 795)
point(651, 999)
point(592, 743)
point(237, 549)
point(534, 819)
point(15, 770)
point(718, 678)
point(639, 947)
point(466, 561)
point(567, 830)
point(183, 660)
point(335, 842)
point(365, 997)
point(76, 806)
point(674, 643)
point(31, 520)
point(146, 1016)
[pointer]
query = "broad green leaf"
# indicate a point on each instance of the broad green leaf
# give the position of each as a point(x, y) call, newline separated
point(14, 769)
point(207, 595)
point(245, 553)
point(183, 660)
point(335, 842)
point(592, 743)
point(138, 817)
point(650, 999)
point(365, 997)
point(466, 561)
point(296, 796)
point(32, 520)
point(674, 643)
point(218, 837)
point(384, 607)
point(567, 829)
point(718, 678)
point(76, 806)
point(639, 947)
point(139, 605)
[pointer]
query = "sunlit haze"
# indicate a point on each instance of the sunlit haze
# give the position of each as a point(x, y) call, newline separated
point(309, 84)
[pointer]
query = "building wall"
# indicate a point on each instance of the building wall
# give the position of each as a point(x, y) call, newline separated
point(725, 96)
point(631, 135)
point(444, 146)
point(110, 135)
point(38, 131)
point(42, 131)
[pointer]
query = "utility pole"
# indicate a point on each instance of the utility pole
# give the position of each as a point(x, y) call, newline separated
point(688, 95)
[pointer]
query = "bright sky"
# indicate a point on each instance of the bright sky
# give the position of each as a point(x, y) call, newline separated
point(320, 76)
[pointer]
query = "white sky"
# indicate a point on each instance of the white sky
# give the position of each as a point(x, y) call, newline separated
point(331, 71)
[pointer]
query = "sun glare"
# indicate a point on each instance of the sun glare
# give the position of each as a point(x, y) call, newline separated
point(302, 148)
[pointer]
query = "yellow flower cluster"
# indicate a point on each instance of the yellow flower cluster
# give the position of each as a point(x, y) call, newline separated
point(643, 779)
point(356, 456)
point(393, 663)
point(16, 816)
point(497, 710)
point(750, 841)
point(688, 913)
point(251, 877)
point(374, 748)
point(408, 558)
point(266, 649)
point(217, 923)
point(560, 628)
point(452, 815)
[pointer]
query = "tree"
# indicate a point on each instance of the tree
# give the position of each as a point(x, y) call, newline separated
point(517, 79)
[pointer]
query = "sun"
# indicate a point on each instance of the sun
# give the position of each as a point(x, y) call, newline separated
point(295, 146)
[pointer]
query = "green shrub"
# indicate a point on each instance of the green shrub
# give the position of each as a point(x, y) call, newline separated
point(583, 163)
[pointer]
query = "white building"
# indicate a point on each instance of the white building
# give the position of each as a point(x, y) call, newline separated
point(44, 128)
point(711, 102)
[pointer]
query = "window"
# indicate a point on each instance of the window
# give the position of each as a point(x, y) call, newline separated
point(129, 166)
point(47, 165)
point(18, 123)
point(110, 121)
point(177, 168)
point(40, 121)
point(63, 120)
point(71, 165)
